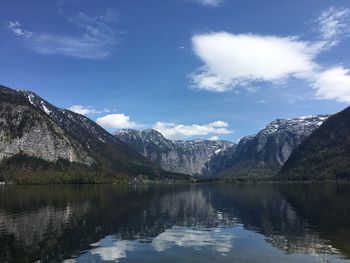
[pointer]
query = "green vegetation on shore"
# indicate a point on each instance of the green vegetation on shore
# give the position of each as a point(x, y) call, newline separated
point(22, 169)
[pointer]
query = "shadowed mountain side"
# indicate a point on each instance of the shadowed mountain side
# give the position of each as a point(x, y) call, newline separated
point(325, 154)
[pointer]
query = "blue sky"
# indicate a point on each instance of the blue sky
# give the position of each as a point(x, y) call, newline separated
point(189, 68)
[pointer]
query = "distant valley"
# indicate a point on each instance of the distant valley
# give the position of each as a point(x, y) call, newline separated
point(188, 157)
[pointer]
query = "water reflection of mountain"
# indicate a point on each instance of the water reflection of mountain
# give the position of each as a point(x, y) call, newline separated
point(53, 223)
point(326, 208)
point(267, 209)
point(50, 223)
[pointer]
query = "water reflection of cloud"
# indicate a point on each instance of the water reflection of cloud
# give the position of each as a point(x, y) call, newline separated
point(110, 249)
point(217, 238)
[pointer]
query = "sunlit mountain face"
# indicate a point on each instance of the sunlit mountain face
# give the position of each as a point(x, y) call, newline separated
point(153, 223)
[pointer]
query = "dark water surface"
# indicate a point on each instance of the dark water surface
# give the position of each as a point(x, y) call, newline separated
point(181, 223)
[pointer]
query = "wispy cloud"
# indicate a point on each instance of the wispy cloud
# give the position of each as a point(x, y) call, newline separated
point(333, 24)
point(181, 131)
point(210, 3)
point(95, 37)
point(87, 110)
point(116, 121)
point(236, 61)
point(17, 29)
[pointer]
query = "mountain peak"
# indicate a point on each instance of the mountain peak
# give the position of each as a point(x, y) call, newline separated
point(298, 125)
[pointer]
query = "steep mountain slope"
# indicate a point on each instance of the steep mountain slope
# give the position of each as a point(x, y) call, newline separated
point(32, 127)
point(325, 154)
point(263, 154)
point(219, 161)
point(187, 157)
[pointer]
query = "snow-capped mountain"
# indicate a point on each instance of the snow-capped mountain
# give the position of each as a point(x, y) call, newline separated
point(299, 126)
point(187, 157)
point(263, 154)
point(31, 126)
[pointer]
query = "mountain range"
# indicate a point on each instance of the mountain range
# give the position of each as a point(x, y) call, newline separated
point(261, 155)
point(41, 143)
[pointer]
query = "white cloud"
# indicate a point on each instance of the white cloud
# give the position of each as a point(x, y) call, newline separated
point(216, 239)
point(116, 121)
point(236, 61)
point(212, 3)
point(219, 124)
point(95, 38)
point(86, 110)
point(16, 29)
point(233, 60)
point(109, 250)
point(333, 24)
point(213, 138)
point(333, 83)
point(180, 131)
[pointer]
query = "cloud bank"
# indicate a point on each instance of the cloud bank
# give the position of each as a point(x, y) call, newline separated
point(181, 131)
point(171, 131)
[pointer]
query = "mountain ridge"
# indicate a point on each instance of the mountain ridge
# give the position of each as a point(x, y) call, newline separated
point(263, 154)
point(187, 157)
point(34, 127)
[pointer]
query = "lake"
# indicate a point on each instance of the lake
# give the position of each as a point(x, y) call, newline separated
point(176, 223)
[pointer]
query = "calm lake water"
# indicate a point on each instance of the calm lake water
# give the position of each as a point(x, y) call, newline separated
point(180, 223)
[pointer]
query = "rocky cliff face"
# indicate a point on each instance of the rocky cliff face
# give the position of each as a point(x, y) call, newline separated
point(25, 131)
point(263, 154)
point(187, 157)
point(33, 127)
